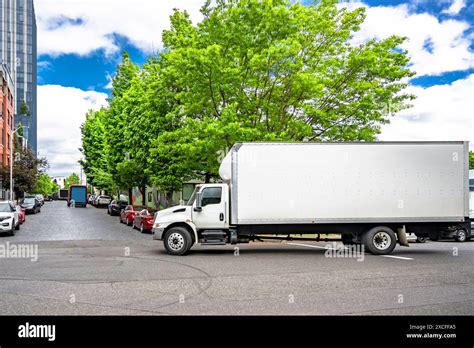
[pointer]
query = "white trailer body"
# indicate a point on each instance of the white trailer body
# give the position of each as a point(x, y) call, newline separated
point(314, 183)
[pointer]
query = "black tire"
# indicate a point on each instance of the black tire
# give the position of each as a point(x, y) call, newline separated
point(120, 218)
point(142, 229)
point(17, 227)
point(129, 223)
point(178, 241)
point(12, 232)
point(380, 240)
point(461, 236)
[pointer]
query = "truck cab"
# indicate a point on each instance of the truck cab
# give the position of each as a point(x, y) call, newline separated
point(204, 219)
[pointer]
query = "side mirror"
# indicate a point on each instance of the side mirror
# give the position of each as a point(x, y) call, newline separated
point(198, 206)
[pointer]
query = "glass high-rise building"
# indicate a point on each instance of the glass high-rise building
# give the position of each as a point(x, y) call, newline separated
point(18, 52)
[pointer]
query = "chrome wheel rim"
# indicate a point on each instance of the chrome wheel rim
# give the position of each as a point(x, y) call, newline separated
point(382, 240)
point(461, 236)
point(176, 241)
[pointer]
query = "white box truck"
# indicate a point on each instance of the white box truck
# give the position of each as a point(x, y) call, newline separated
point(366, 193)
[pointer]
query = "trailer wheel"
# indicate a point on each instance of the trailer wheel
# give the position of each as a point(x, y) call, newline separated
point(461, 236)
point(380, 240)
point(177, 241)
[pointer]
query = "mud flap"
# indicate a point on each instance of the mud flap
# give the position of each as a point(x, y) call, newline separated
point(402, 236)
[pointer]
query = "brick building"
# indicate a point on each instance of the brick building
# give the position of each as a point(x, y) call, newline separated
point(7, 112)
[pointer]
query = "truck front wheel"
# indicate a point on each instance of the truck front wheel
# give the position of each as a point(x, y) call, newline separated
point(178, 241)
point(380, 240)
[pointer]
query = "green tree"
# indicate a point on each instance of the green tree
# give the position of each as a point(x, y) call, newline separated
point(24, 111)
point(44, 185)
point(26, 169)
point(256, 70)
point(72, 179)
point(251, 70)
point(94, 149)
point(471, 160)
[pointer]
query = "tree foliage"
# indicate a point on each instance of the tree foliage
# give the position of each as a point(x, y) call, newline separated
point(26, 169)
point(72, 179)
point(251, 70)
point(44, 185)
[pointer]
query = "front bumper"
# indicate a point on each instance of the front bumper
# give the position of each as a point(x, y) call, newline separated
point(158, 233)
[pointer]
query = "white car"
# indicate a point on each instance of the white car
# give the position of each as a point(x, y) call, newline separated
point(102, 201)
point(9, 219)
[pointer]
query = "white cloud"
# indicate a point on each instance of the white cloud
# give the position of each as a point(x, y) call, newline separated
point(435, 47)
point(83, 26)
point(441, 112)
point(455, 7)
point(61, 111)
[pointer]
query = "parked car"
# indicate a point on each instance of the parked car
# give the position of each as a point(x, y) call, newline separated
point(143, 221)
point(48, 198)
point(102, 201)
point(21, 214)
point(115, 207)
point(31, 205)
point(9, 220)
point(40, 198)
point(411, 237)
point(127, 215)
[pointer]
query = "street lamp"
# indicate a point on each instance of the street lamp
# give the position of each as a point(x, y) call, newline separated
point(11, 159)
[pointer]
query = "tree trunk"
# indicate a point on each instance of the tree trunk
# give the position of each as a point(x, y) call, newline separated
point(130, 198)
point(169, 198)
point(207, 178)
point(144, 196)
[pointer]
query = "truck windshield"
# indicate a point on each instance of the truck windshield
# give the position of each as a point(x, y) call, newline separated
point(193, 196)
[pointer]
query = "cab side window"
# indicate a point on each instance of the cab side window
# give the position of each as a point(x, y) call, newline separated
point(211, 195)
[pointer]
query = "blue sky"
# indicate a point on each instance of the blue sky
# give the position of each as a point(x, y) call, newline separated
point(79, 47)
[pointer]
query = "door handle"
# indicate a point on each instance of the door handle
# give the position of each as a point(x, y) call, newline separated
point(221, 217)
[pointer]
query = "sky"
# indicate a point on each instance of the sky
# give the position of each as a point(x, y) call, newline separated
point(80, 43)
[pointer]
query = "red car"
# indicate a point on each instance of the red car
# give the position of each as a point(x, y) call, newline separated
point(21, 214)
point(143, 221)
point(127, 215)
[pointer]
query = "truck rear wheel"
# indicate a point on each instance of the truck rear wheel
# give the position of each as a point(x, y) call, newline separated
point(178, 241)
point(380, 240)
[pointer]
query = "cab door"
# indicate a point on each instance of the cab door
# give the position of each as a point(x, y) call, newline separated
point(213, 213)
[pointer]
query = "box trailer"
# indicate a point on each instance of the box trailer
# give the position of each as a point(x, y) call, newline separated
point(366, 193)
point(77, 196)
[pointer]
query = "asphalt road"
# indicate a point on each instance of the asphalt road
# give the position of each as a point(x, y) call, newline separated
point(89, 263)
